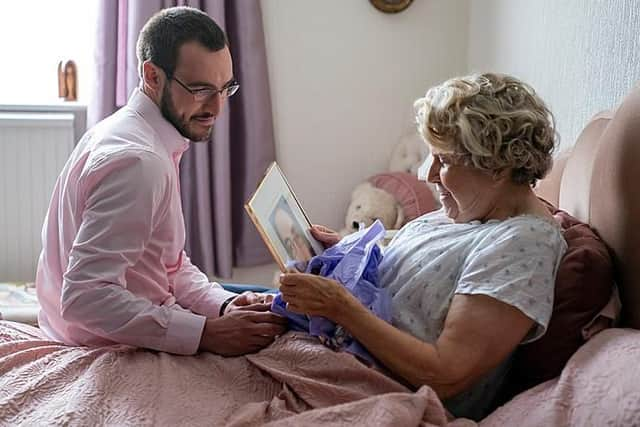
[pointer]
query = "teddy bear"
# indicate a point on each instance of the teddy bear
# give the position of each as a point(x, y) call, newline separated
point(369, 203)
point(397, 196)
point(409, 153)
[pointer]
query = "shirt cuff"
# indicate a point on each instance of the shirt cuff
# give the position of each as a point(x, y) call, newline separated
point(184, 332)
point(219, 296)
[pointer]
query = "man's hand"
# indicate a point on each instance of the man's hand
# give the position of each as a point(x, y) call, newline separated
point(250, 301)
point(325, 235)
point(241, 331)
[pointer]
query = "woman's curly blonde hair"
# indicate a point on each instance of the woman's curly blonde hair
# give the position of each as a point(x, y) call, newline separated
point(493, 121)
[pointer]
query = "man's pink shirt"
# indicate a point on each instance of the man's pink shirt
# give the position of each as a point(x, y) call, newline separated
point(113, 267)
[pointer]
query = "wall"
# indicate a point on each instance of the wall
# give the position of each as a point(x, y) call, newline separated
point(581, 56)
point(343, 79)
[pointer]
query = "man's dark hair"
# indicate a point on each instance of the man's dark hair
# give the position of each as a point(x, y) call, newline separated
point(166, 31)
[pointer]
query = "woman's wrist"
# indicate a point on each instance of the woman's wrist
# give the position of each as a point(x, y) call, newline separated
point(346, 307)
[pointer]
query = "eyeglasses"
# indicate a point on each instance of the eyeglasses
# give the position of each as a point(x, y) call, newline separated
point(204, 94)
point(423, 170)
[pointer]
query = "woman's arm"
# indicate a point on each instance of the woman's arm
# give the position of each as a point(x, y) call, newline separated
point(479, 333)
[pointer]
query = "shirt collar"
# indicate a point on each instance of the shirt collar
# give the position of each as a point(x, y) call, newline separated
point(168, 135)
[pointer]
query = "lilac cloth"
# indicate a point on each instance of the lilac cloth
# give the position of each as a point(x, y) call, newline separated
point(353, 262)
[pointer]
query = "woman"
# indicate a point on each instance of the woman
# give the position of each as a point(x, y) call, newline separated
point(475, 279)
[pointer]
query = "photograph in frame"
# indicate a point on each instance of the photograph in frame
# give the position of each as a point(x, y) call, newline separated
point(281, 221)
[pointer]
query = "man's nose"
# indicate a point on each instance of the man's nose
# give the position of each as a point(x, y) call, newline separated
point(214, 104)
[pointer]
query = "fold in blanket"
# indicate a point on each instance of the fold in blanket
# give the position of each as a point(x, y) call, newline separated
point(295, 381)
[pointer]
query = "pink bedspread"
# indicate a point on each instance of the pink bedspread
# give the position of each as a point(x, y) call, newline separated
point(294, 382)
point(599, 386)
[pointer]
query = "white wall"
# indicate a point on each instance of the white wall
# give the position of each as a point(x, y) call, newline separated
point(343, 79)
point(581, 56)
point(343, 75)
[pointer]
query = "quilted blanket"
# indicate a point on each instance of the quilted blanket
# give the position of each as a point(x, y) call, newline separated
point(599, 386)
point(295, 381)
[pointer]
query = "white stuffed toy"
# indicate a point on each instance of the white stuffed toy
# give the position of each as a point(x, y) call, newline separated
point(409, 153)
point(394, 197)
point(369, 203)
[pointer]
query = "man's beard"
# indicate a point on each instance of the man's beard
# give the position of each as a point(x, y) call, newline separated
point(169, 113)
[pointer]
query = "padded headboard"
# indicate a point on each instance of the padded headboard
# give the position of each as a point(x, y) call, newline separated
point(597, 183)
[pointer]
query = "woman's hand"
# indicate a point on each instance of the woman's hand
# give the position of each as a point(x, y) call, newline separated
point(315, 295)
point(325, 235)
point(251, 301)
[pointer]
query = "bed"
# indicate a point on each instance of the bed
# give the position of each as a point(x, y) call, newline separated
point(296, 381)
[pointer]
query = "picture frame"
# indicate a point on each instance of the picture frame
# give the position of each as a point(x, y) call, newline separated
point(281, 221)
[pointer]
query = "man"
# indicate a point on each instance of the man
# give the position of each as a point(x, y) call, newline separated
point(113, 268)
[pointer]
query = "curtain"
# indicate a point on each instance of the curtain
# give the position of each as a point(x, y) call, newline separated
point(218, 177)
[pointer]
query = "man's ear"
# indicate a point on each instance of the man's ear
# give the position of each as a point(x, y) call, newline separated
point(153, 78)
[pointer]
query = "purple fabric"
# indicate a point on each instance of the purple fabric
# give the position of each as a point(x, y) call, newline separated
point(216, 178)
point(353, 262)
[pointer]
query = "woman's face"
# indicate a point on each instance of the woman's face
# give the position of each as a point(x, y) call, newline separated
point(466, 193)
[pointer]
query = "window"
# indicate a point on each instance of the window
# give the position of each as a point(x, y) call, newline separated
point(35, 36)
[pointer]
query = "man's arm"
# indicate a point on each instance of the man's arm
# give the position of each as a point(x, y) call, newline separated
point(120, 212)
point(193, 290)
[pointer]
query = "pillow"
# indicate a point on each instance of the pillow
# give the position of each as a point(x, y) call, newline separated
point(584, 285)
point(415, 196)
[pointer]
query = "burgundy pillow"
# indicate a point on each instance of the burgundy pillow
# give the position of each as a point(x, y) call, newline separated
point(584, 284)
